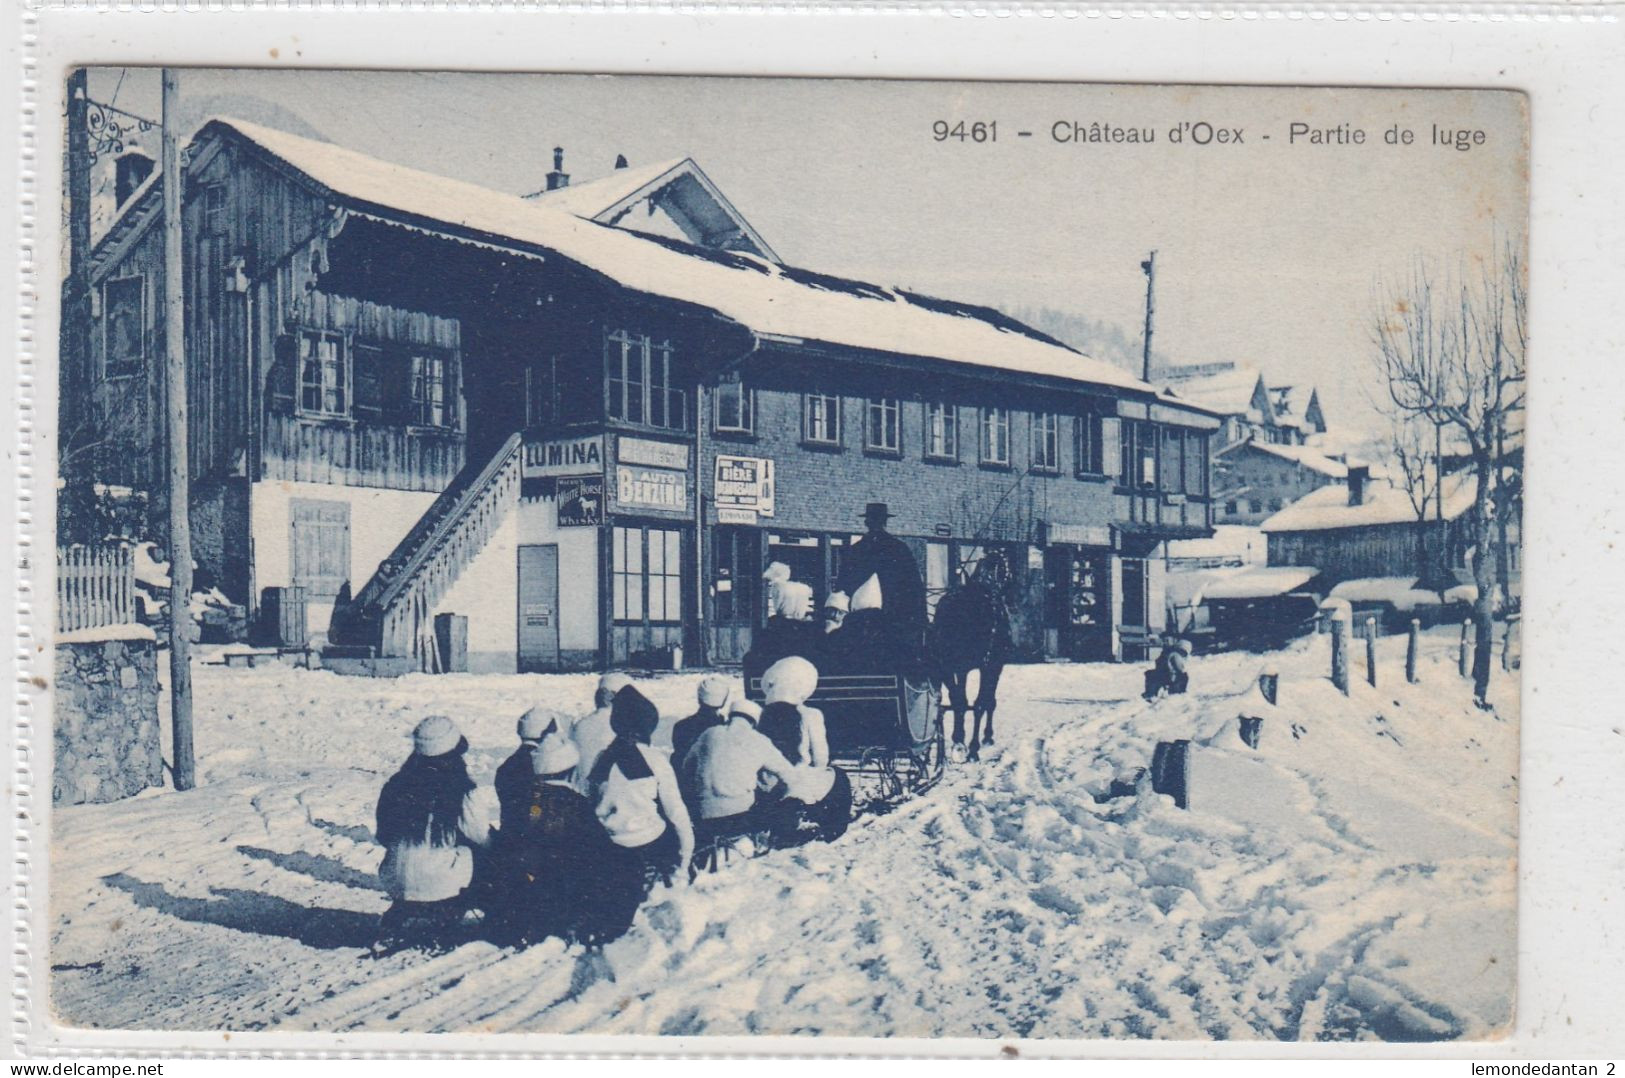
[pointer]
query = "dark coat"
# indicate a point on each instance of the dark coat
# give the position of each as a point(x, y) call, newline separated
point(902, 592)
point(555, 859)
point(687, 731)
point(513, 782)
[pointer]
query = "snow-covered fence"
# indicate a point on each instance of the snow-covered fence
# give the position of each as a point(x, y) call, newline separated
point(95, 587)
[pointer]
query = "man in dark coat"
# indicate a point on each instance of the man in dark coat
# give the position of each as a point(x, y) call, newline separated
point(882, 555)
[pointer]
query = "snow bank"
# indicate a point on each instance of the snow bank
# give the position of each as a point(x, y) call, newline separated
point(103, 633)
point(1351, 878)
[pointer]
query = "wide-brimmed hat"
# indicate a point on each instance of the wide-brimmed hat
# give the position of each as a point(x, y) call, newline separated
point(437, 735)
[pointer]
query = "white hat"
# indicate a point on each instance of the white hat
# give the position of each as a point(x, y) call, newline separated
point(746, 709)
point(777, 573)
point(556, 753)
point(838, 601)
point(790, 680)
point(714, 691)
point(436, 736)
point(610, 684)
point(538, 720)
point(793, 600)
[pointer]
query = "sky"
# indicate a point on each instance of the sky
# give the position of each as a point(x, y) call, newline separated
point(1269, 252)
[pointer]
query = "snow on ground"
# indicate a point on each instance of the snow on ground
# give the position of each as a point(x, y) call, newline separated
point(1352, 878)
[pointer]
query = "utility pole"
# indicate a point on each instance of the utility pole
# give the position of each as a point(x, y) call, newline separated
point(73, 374)
point(180, 524)
point(1150, 268)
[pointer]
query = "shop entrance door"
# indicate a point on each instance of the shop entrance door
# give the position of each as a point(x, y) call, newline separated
point(1080, 583)
point(538, 608)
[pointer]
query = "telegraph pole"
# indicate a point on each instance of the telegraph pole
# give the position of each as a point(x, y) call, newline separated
point(180, 524)
point(1150, 268)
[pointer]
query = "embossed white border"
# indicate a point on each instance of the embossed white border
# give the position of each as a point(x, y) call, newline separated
point(1567, 56)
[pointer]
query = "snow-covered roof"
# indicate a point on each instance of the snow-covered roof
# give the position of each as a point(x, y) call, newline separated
point(769, 299)
point(1329, 507)
point(592, 197)
point(1228, 392)
point(1262, 582)
point(1302, 455)
point(1400, 592)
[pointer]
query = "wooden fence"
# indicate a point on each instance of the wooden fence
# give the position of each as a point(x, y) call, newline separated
point(95, 586)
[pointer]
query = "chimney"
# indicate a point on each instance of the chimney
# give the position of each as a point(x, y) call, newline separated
point(130, 172)
point(1359, 475)
point(620, 160)
point(558, 177)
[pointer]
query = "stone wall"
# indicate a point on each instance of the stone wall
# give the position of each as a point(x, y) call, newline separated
point(106, 728)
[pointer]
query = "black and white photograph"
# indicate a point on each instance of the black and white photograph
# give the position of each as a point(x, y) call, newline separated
point(696, 557)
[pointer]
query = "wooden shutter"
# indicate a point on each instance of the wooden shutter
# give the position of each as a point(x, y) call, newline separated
point(368, 371)
point(319, 546)
point(282, 384)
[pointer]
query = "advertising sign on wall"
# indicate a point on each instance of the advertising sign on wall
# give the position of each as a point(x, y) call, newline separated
point(744, 484)
point(651, 488)
point(581, 502)
point(654, 454)
point(568, 456)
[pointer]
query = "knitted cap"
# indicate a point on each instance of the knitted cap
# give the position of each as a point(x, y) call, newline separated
point(538, 720)
point(632, 716)
point(790, 680)
point(714, 691)
point(436, 736)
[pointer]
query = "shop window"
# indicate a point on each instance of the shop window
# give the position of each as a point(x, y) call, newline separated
point(882, 428)
point(318, 546)
point(821, 418)
point(324, 375)
point(1087, 445)
point(1046, 442)
point(646, 575)
point(641, 382)
point(124, 323)
point(941, 431)
point(733, 408)
point(995, 436)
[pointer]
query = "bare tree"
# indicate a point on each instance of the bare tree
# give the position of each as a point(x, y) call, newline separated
point(1451, 348)
point(1413, 445)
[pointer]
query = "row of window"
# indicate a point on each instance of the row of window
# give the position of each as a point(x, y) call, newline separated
point(1141, 453)
point(340, 377)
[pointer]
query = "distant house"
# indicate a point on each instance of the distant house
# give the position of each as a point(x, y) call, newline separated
point(1367, 529)
point(1236, 393)
point(1299, 419)
point(1253, 480)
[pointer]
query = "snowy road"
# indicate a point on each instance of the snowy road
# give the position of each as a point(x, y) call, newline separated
point(1354, 877)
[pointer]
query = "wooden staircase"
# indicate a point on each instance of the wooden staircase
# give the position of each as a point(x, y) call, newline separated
point(392, 616)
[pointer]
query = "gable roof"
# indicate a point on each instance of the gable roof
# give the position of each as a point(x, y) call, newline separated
point(678, 186)
point(775, 302)
point(1297, 406)
point(1328, 508)
point(1236, 391)
point(1301, 455)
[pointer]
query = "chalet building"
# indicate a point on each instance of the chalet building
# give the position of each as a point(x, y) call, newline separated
point(1253, 480)
point(1250, 409)
point(412, 397)
point(1369, 529)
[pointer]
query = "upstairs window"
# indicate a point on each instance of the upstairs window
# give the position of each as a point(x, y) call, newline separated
point(641, 382)
point(1046, 442)
point(941, 431)
point(996, 436)
point(882, 429)
point(429, 397)
point(821, 418)
point(324, 376)
point(1196, 464)
point(124, 326)
point(733, 408)
point(1171, 463)
point(1139, 451)
point(1088, 458)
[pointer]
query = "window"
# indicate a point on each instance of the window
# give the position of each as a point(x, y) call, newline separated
point(124, 326)
point(941, 431)
point(882, 425)
point(319, 546)
point(1046, 442)
point(1255, 506)
point(821, 418)
point(646, 575)
point(324, 383)
point(214, 208)
point(733, 408)
point(1139, 451)
point(1231, 509)
point(428, 402)
point(1171, 465)
point(1275, 505)
point(544, 393)
point(995, 436)
point(1088, 442)
point(640, 382)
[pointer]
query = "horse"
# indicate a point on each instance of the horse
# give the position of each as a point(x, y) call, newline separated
point(971, 631)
